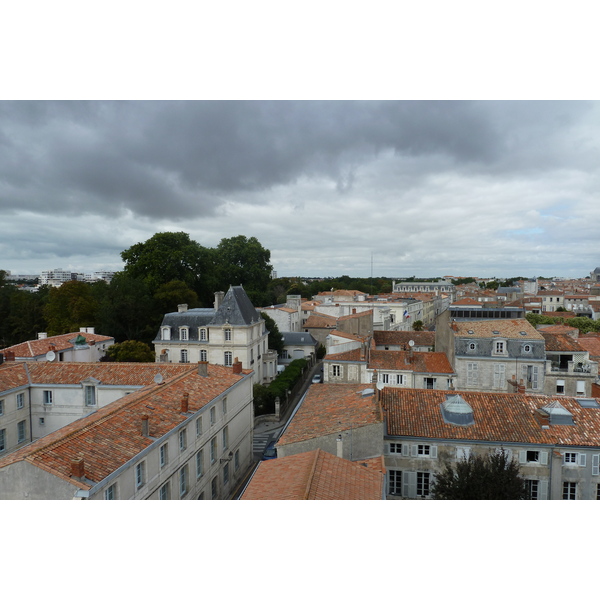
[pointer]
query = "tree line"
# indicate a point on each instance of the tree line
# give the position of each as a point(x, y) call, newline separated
point(166, 270)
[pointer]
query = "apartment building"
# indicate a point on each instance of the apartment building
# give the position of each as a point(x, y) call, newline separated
point(187, 437)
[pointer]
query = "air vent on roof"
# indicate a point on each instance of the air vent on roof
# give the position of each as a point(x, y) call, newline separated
point(457, 411)
point(470, 331)
point(496, 332)
point(523, 332)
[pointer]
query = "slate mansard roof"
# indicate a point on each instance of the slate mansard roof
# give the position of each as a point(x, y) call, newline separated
point(235, 309)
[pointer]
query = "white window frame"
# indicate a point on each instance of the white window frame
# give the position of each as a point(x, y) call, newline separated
point(226, 474)
point(200, 463)
point(424, 481)
point(21, 431)
point(164, 492)
point(213, 415)
point(1, 407)
point(184, 356)
point(225, 437)
point(472, 374)
point(47, 397)
point(399, 379)
point(236, 460)
point(184, 334)
point(199, 426)
point(163, 455)
point(182, 440)
point(569, 489)
point(2, 440)
point(560, 383)
point(499, 382)
point(165, 334)
point(20, 400)
point(90, 395)
point(203, 355)
point(213, 450)
point(336, 370)
point(385, 377)
point(395, 448)
point(140, 475)
point(183, 481)
point(574, 459)
point(228, 358)
point(499, 348)
point(394, 482)
point(423, 451)
point(463, 452)
point(203, 334)
point(227, 334)
point(110, 493)
point(224, 406)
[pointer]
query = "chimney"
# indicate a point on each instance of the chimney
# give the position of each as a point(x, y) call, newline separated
point(218, 299)
point(42, 335)
point(353, 311)
point(9, 355)
point(145, 425)
point(78, 468)
point(203, 368)
point(542, 417)
point(521, 387)
point(185, 401)
point(340, 446)
point(237, 366)
point(182, 307)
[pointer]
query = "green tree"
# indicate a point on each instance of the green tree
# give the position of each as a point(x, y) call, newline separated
point(128, 311)
point(243, 261)
point(69, 307)
point(129, 351)
point(480, 477)
point(169, 295)
point(417, 325)
point(169, 256)
point(275, 340)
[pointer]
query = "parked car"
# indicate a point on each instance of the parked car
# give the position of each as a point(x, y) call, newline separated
point(317, 378)
point(270, 452)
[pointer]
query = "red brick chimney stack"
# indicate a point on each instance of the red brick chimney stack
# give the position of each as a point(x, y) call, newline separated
point(78, 468)
point(237, 366)
point(185, 402)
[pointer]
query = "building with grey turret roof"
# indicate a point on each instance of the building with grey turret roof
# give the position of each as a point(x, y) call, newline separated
point(232, 329)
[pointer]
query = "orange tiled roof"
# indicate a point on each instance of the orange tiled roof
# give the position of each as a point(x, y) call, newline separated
point(558, 329)
point(498, 418)
point(320, 320)
point(315, 475)
point(355, 355)
point(356, 315)
point(507, 328)
point(111, 436)
point(33, 348)
point(418, 362)
point(107, 373)
point(563, 314)
point(467, 302)
point(591, 344)
point(330, 408)
point(561, 342)
point(348, 336)
point(392, 338)
point(12, 375)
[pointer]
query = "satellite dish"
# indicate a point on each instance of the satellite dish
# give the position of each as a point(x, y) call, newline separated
point(380, 385)
point(411, 343)
point(50, 356)
point(158, 379)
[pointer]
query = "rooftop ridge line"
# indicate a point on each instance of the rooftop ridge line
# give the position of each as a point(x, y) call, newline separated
point(311, 475)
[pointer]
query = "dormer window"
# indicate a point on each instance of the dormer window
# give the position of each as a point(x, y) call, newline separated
point(183, 334)
point(472, 346)
point(500, 347)
point(526, 348)
point(203, 334)
point(165, 333)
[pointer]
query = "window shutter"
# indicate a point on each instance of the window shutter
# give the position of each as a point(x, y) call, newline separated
point(581, 459)
point(405, 449)
point(433, 451)
point(522, 456)
point(387, 448)
point(543, 490)
point(414, 449)
point(596, 464)
point(409, 484)
point(543, 458)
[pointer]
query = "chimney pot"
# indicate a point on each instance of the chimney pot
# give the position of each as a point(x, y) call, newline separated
point(237, 366)
point(182, 307)
point(42, 335)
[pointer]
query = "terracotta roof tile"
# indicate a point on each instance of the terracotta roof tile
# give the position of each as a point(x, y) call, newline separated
point(417, 362)
point(330, 408)
point(498, 418)
point(389, 338)
point(507, 328)
point(33, 348)
point(111, 436)
point(315, 475)
point(560, 342)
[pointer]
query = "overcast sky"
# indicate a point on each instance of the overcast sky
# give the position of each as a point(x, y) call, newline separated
point(417, 188)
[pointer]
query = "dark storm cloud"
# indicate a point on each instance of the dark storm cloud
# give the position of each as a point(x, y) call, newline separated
point(173, 159)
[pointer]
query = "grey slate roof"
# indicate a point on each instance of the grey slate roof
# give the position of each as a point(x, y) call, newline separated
point(295, 338)
point(235, 309)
